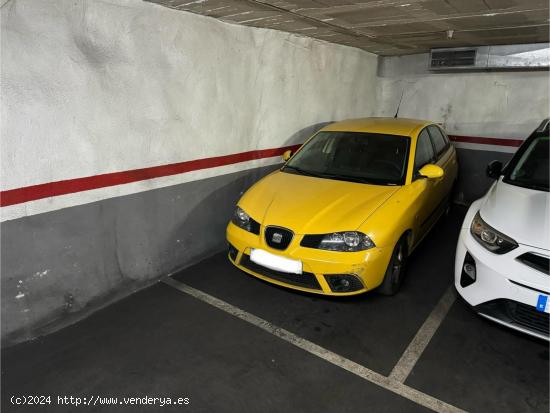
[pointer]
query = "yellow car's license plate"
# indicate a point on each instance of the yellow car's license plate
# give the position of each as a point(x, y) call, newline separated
point(275, 262)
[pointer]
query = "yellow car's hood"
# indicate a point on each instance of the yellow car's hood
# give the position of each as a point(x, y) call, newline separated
point(309, 205)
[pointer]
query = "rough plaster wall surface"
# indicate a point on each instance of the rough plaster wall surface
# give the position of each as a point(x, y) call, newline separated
point(92, 87)
point(483, 104)
point(491, 104)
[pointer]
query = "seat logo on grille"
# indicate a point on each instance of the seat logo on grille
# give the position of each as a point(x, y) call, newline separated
point(277, 238)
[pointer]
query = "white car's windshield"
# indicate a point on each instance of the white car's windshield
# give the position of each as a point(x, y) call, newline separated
point(531, 169)
point(353, 156)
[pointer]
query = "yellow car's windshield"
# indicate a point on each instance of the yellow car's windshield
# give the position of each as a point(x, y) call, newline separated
point(353, 156)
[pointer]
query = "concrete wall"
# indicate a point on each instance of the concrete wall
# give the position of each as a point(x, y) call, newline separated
point(100, 87)
point(93, 87)
point(508, 105)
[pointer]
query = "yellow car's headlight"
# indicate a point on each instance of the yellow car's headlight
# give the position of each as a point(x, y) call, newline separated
point(348, 241)
point(490, 238)
point(244, 221)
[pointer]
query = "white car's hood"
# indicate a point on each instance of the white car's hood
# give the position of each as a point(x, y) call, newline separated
point(518, 212)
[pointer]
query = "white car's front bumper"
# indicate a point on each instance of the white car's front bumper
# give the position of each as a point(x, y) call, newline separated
point(505, 290)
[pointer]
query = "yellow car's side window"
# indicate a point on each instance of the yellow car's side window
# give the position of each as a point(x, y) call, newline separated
point(424, 151)
point(438, 138)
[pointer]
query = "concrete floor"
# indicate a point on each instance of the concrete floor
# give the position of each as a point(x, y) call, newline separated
point(161, 342)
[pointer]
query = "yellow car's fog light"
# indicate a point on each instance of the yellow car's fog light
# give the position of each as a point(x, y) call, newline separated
point(343, 283)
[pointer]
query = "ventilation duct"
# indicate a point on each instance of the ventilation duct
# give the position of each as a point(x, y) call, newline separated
point(519, 56)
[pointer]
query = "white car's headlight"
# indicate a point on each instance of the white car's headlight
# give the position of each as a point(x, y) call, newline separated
point(349, 241)
point(490, 238)
point(243, 220)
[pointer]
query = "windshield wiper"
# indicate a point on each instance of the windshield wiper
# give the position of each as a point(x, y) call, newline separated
point(336, 176)
point(346, 178)
point(356, 179)
point(303, 171)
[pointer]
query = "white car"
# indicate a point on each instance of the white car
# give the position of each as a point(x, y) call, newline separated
point(502, 256)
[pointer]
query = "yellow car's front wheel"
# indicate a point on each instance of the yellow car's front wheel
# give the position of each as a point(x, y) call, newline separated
point(396, 269)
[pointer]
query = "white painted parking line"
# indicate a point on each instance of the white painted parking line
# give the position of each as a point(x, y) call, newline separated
point(387, 383)
point(420, 341)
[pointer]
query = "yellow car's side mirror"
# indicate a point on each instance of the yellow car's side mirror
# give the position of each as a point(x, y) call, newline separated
point(431, 171)
point(287, 155)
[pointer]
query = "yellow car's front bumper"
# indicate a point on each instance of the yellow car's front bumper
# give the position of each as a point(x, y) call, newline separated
point(368, 266)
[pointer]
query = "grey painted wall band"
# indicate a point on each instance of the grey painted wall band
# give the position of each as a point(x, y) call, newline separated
point(59, 266)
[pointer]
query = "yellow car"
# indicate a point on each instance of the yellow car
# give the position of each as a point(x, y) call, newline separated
point(345, 211)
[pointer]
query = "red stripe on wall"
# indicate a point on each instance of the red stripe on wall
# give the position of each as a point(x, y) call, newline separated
point(487, 141)
point(69, 186)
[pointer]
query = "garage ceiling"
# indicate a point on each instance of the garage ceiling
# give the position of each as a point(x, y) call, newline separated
point(387, 27)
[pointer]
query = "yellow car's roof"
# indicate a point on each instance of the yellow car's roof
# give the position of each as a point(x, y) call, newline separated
point(390, 126)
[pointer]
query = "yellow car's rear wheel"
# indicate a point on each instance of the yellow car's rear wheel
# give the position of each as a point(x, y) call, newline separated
point(396, 269)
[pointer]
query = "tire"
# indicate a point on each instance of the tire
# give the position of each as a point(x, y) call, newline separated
point(395, 273)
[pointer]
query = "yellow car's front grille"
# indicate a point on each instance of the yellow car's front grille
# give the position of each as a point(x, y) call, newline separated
point(278, 238)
